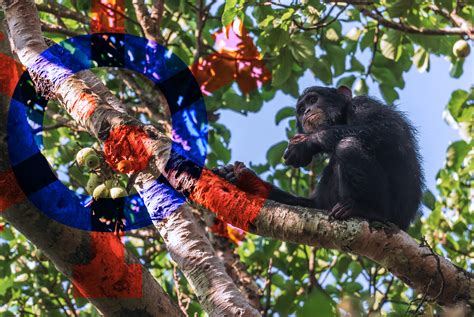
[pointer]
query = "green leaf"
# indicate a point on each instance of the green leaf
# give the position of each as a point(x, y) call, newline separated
point(318, 302)
point(429, 199)
point(389, 93)
point(288, 14)
point(356, 66)
point(361, 88)
point(354, 34)
point(337, 58)
point(275, 153)
point(384, 76)
point(322, 70)
point(457, 152)
point(421, 59)
point(276, 38)
point(266, 21)
point(399, 8)
point(218, 148)
point(351, 287)
point(456, 102)
point(456, 69)
point(332, 35)
point(5, 284)
point(367, 40)
point(302, 49)
point(390, 44)
point(346, 81)
point(230, 12)
point(283, 69)
point(283, 113)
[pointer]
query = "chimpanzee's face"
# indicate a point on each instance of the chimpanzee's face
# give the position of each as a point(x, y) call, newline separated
point(318, 107)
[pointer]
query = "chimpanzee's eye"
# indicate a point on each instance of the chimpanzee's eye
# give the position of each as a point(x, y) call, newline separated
point(313, 100)
point(300, 110)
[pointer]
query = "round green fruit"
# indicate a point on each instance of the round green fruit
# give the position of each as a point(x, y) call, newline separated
point(461, 49)
point(92, 183)
point(87, 157)
point(92, 162)
point(118, 192)
point(100, 191)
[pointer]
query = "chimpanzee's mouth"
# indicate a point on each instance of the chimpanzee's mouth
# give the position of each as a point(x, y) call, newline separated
point(309, 118)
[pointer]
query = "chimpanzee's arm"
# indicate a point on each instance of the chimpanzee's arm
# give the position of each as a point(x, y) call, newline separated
point(283, 197)
point(325, 140)
point(248, 181)
point(302, 147)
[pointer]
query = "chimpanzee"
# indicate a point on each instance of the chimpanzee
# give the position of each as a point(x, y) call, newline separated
point(374, 168)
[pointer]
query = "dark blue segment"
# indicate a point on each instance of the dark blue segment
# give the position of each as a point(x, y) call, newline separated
point(189, 120)
point(181, 90)
point(34, 173)
point(107, 50)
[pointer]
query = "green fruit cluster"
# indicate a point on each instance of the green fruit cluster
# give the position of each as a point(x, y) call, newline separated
point(88, 158)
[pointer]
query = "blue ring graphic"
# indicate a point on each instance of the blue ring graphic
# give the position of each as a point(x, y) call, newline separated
point(25, 119)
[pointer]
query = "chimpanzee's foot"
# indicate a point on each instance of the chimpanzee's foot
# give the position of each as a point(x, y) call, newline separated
point(344, 210)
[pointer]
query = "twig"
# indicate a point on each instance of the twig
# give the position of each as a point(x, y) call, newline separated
point(268, 288)
point(184, 308)
point(321, 24)
point(57, 9)
point(46, 27)
point(201, 20)
point(411, 29)
point(374, 50)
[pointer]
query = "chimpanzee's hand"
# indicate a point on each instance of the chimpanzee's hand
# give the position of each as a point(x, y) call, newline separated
point(300, 151)
point(244, 178)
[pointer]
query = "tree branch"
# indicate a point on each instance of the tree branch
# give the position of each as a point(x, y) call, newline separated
point(414, 30)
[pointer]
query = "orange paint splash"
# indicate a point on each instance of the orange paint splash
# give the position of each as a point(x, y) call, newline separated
point(108, 16)
point(10, 191)
point(225, 230)
point(237, 58)
point(107, 275)
point(125, 149)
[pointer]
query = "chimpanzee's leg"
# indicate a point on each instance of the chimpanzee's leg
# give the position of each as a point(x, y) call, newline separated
point(363, 188)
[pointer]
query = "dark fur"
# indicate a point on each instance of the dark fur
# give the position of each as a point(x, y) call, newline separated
point(374, 169)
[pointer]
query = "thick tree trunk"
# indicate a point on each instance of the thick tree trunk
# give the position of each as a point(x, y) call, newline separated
point(66, 247)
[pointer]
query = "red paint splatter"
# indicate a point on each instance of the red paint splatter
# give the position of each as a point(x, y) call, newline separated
point(10, 191)
point(107, 275)
point(237, 58)
point(228, 202)
point(126, 150)
point(10, 72)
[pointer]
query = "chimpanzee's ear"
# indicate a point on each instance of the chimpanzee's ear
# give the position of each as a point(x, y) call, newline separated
point(346, 91)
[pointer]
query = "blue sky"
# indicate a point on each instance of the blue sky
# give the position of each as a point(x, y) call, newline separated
point(423, 99)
